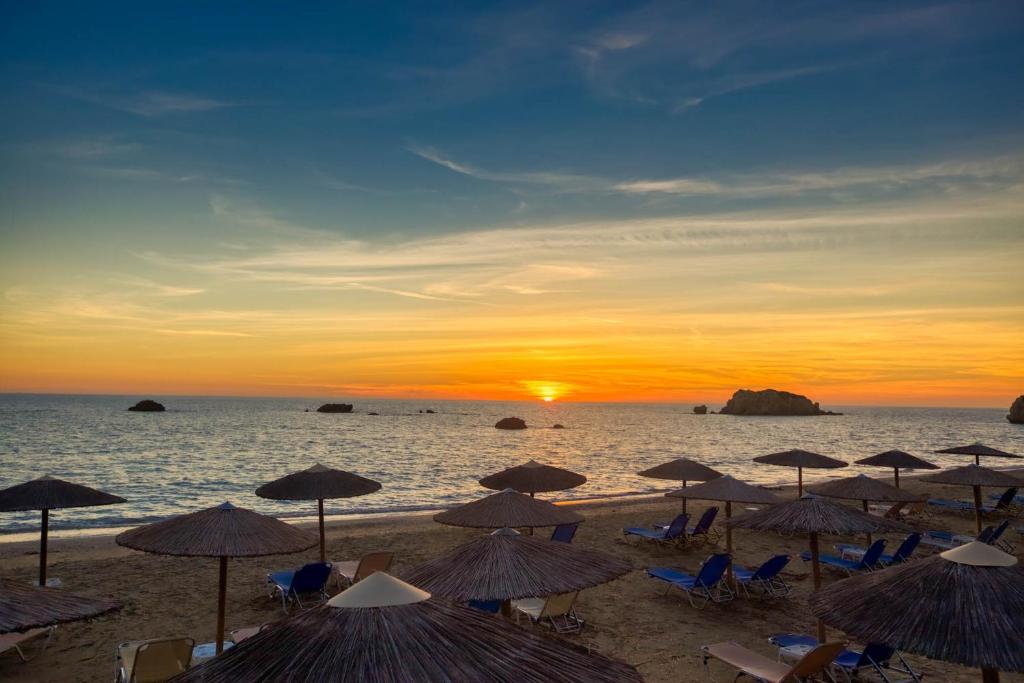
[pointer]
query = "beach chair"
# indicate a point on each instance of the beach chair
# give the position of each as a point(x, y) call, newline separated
point(676, 531)
point(559, 611)
point(850, 663)
point(17, 641)
point(996, 538)
point(308, 579)
point(152, 661)
point(866, 563)
point(240, 634)
point(707, 586)
point(354, 571)
point(767, 578)
point(1007, 500)
point(962, 506)
point(703, 531)
point(564, 533)
point(765, 669)
point(492, 606)
point(902, 553)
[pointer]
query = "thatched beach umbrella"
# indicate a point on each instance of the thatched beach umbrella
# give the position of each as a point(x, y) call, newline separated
point(681, 470)
point(816, 516)
point(978, 450)
point(533, 477)
point(505, 565)
point(975, 476)
point(47, 493)
point(964, 606)
point(897, 460)
point(318, 483)
point(508, 508)
point(24, 607)
point(730, 490)
point(382, 629)
point(223, 531)
point(800, 459)
point(863, 488)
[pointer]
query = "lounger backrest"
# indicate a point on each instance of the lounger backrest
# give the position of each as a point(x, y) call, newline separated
point(873, 553)
point(986, 535)
point(678, 527)
point(558, 605)
point(311, 577)
point(706, 520)
point(564, 533)
point(894, 511)
point(158, 660)
point(492, 606)
point(906, 548)
point(770, 569)
point(713, 569)
point(999, 531)
point(1006, 498)
point(373, 562)
point(875, 653)
point(815, 661)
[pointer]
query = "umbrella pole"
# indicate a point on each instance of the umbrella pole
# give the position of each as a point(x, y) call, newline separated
point(728, 542)
point(866, 512)
point(506, 609)
point(977, 507)
point(221, 599)
point(320, 509)
point(989, 676)
point(684, 500)
point(816, 572)
point(896, 475)
point(799, 482)
point(43, 534)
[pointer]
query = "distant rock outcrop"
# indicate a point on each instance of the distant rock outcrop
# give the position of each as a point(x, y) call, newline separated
point(148, 406)
point(1016, 415)
point(510, 423)
point(335, 408)
point(557, 426)
point(771, 402)
point(428, 411)
point(700, 410)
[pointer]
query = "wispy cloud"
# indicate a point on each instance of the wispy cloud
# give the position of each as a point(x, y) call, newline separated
point(149, 103)
point(746, 81)
point(569, 182)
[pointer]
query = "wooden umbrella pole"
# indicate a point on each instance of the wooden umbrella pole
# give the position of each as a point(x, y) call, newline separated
point(728, 543)
point(43, 534)
point(222, 590)
point(977, 508)
point(506, 609)
point(896, 475)
point(684, 499)
point(989, 676)
point(816, 572)
point(320, 509)
point(866, 512)
point(799, 482)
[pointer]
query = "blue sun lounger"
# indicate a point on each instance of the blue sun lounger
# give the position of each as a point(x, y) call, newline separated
point(564, 533)
point(868, 562)
point(290, 584)
point(766, 578)
point(902, 554)
point(959, 506)
point(708, 585)
point(875, 656)
point(675, 531)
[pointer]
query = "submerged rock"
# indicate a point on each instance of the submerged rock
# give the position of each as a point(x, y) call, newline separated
point(429, 411)
point(700, 410)
point(557, 426)
point(148, 406)
point(1016, 415)
point(771, 402)
point(335, 408)
point(510, 423)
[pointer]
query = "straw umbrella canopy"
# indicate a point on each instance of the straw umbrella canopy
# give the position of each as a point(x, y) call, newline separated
point(897, 460)
point(382, 629)
point(222, 531)
point(24, 607)
point(682, 470)
point(533, 477)
point(800, 459)
point(863, 488)
point(978, 450)
point(47, 493)
point(964, 606)
point(816, 516)
point(506, 565)
point(508, 508)
point(975, 476)
point(318, 483)
point(730, 490)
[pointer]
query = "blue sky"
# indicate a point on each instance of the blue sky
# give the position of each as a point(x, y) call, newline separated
point(193, 147)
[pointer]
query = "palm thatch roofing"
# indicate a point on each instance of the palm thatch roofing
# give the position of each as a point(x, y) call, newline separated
point(897, 459)
point(800, 458)
point(681, 469)
point(24, 607)
point(726, 488)
point(964, 606)
point(505, 565)
point(862, 487)
point(220, 531)
point(979, 449)
point(48, 493)
point(318, 483)
point(508, 508)
point(815, 516)
point(974, 475)
point(533, 477)
point(384, 630)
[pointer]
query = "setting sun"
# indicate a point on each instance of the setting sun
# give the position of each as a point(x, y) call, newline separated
point(546, 391)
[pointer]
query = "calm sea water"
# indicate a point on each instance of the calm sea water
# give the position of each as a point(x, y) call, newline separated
point(203, 451)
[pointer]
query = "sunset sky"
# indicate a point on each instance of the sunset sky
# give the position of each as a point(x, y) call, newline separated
point(607, 201)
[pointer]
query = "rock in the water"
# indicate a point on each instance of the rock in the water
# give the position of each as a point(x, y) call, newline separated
point(700, 410)
point(373, 413)
point(557, 426)
point(335, 408)
point(510, 423)
point(148, 406)
point(1016, 415)
point(429, 411)
point(771, 402)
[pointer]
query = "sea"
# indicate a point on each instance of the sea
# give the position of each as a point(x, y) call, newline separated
point(206, 450)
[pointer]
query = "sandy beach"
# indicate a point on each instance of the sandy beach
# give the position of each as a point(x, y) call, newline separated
point(629, 618)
